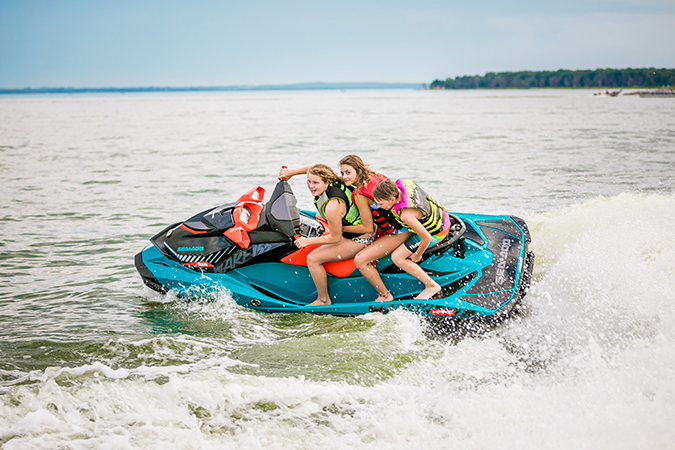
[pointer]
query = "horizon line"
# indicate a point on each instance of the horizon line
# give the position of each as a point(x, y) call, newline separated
point(319, 85)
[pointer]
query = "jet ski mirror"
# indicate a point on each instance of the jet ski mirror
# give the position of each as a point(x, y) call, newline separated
point(239, 236)
point(254, 195)
point(246, 216)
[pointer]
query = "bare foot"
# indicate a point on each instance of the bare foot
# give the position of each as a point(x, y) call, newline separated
point(429, 292)
point(385, 298)
point(318, 302)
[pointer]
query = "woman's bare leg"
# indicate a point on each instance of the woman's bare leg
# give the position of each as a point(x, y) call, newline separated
point(378, 249)
point(400, 257)
point(345, 249)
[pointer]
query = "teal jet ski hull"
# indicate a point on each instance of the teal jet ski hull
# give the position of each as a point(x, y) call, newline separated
point(484, 270)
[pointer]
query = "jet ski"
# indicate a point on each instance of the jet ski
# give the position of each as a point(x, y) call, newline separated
point(247, 248)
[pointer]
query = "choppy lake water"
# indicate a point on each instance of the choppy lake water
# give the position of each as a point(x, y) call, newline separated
point(90, 358)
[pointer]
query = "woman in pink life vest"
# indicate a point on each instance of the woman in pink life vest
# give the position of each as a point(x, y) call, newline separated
point(420, 213)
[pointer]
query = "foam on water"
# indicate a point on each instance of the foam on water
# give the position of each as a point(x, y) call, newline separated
point(589, 364)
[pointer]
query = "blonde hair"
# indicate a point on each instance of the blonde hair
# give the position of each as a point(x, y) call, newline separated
point(362, 169)
point(324, 172)
point(385, 189)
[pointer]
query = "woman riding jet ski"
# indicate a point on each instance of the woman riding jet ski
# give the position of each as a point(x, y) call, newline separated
point(247, 248)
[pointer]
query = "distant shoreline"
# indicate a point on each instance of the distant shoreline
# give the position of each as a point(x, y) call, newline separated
point(576, 79)
point(279, 87)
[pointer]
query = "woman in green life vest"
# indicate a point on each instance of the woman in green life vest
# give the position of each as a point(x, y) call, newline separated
point(347, 235)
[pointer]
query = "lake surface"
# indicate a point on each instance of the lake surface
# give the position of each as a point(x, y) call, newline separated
point(90, 358)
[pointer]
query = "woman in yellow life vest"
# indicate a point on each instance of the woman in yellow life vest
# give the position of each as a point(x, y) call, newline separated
point(424, 217)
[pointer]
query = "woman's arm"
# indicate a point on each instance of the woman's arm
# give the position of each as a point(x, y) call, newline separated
point(412, 217)
point(335, 211)
point(366, 225)
point(287, 174)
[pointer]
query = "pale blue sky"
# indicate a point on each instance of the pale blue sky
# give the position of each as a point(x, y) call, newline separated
point(124, 43)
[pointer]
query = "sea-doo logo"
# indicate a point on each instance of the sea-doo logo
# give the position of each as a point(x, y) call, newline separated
point(501, 261)
point(191, 249)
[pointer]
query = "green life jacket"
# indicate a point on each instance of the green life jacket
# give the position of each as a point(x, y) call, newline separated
point(344, 194)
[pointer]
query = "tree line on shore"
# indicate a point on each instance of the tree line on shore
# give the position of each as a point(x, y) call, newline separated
point(599, 78)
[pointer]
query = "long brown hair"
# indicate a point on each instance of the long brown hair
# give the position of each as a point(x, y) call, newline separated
point(385, 189)
point(324, 172)
point(362, 169)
